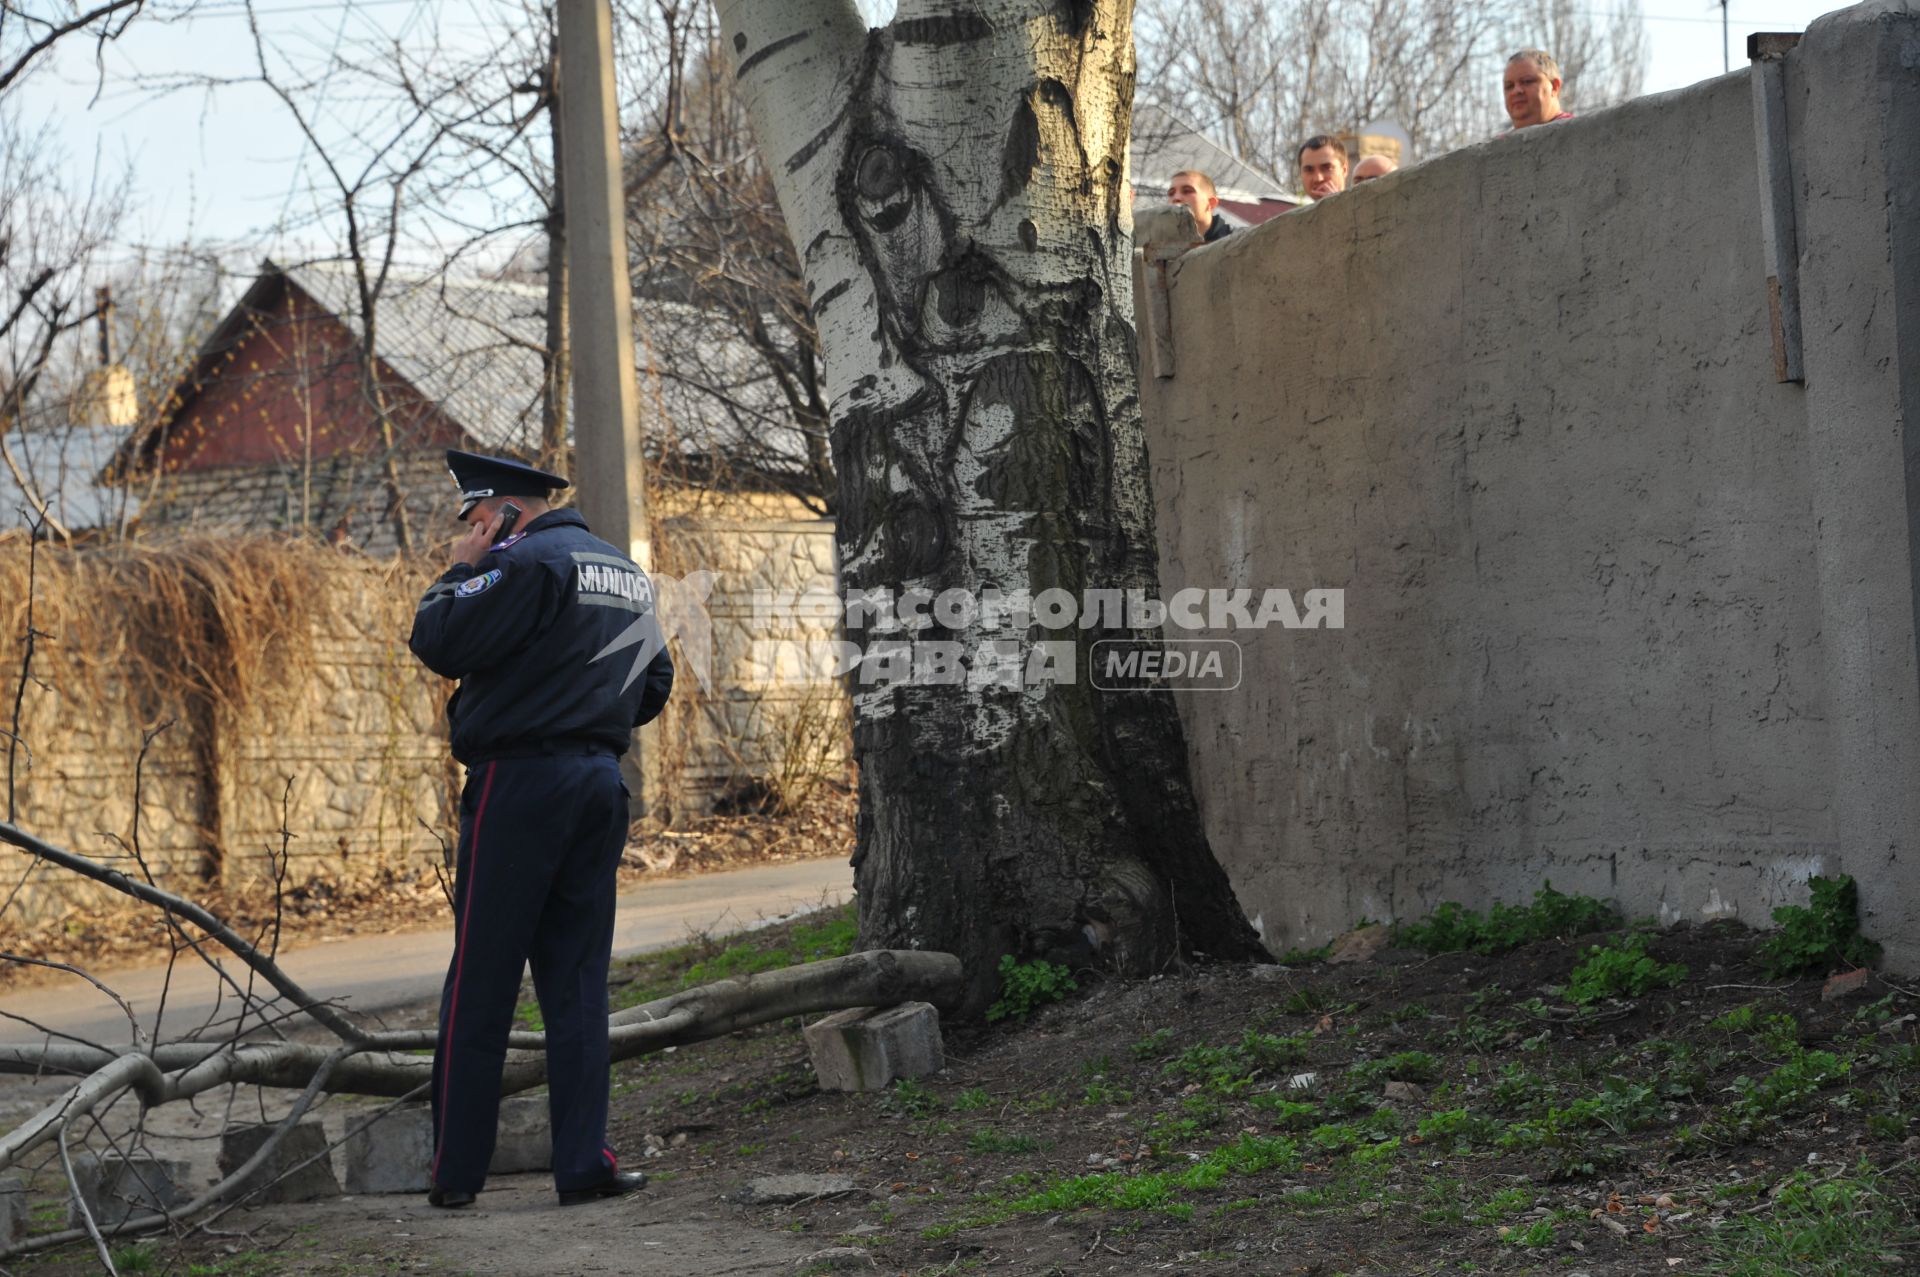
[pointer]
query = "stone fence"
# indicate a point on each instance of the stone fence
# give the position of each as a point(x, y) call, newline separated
point(296, 721)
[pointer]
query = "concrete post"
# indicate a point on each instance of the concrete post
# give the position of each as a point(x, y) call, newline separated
point(1856, 142)
point(607, 470)
point(606, 397)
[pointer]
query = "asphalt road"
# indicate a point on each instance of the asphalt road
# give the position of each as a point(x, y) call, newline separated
point(373, 974)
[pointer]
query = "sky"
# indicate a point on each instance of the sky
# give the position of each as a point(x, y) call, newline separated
point(222, 166)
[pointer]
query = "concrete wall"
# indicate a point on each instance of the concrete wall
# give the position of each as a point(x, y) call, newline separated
point(1622, 612)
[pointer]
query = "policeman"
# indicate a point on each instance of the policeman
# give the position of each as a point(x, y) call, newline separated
point(553, 637)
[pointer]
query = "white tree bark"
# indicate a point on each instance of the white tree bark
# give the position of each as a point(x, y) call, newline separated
point(955, 186)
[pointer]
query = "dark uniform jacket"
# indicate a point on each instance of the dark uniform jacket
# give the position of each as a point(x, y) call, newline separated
point(555, 641)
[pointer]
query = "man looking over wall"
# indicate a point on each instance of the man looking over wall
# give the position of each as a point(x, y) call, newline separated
point(1532, 88)
point(1323, 166)
point(1371, 167)
point(1195, 189)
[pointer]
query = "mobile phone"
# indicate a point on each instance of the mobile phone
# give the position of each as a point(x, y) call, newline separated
point(509, 515)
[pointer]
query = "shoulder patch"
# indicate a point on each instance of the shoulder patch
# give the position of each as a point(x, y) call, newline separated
point(504, 544)
point(474, 585)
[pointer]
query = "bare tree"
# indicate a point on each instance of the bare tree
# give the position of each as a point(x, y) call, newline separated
point(1264, 77)
point(30, 31)
point(705, 231)
point(52, 236)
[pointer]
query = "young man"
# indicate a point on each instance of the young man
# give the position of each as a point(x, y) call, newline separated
point(1323, 166)
point(1532, 89)
point(1195, 189)
point(552, 634)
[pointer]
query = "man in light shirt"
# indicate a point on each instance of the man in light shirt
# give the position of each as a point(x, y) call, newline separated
point(1532, 89)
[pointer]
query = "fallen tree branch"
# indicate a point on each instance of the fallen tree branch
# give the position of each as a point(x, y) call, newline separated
point(209, 1198)
point(375, 1065)
point(344, 1028)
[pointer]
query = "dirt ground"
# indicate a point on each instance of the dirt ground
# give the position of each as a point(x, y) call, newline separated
point(1404, 1114)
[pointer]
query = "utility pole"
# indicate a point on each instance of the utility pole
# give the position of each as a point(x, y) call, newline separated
point(606, 395)
point(607, 473)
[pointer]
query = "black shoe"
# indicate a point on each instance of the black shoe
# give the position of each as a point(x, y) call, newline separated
point(449, 1198)
point(619, 1184)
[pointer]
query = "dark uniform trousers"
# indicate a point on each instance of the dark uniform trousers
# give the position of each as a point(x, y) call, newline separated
point(540, 840)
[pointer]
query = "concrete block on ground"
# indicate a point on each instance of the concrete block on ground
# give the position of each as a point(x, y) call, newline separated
point(117, 1188)
point(390, 1155)
point(867, 1048)
point(524, 1141)
point(13, 1209)
point(394, 1154)
point(283, 1183)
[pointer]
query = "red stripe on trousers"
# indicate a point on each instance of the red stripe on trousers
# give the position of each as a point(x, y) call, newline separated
point(460, 943)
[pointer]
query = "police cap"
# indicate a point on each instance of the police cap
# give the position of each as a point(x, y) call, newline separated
point(479, 477)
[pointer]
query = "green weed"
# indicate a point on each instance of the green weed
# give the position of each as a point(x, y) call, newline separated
point(910, 1097)
point(1026, 985)
point(1791, 1086)
point(1821, 936)
point(1622, 968)
point(1452, 927)
point(1454, 1129)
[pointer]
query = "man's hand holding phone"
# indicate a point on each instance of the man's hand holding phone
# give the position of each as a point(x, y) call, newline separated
point(483, 534)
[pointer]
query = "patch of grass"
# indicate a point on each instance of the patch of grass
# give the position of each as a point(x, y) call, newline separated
point(1099, 1091)
point(988, 1140)
point(141, 1257)
point(1821, 936)
point(1516, 1089)
point(1502, 1204)
point(1027, 985)
point(1406, 1066)
point(1159, 1042)
point(1159, 1190)
point(1791, 1086)
point(971, 1100)
point(1622, 968)
point(1849, 1226)
point(1454, 928)
point(1737, 1021)
point(1287, 1114)
point(830, 933)
point(1538, 1233)
point(911, 1097)
point(1232, 1068)
point(1311, 1000)
point(1455, 1129)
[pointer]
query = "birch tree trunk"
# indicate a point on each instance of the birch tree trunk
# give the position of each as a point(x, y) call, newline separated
point(955, 186)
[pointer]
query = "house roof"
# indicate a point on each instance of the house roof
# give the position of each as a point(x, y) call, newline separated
point(1164, 144)
point(61, 464)
point(472, 347)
